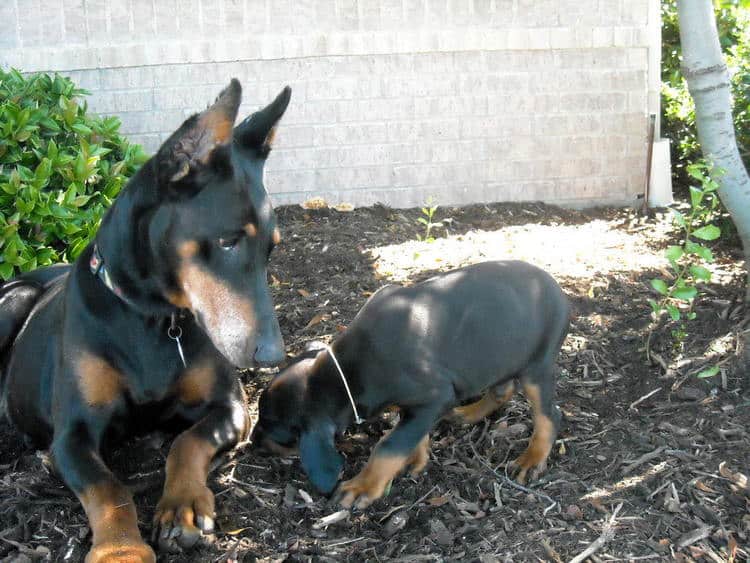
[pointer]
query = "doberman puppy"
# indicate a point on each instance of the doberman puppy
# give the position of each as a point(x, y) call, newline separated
point(423, 349)
point(146, 327)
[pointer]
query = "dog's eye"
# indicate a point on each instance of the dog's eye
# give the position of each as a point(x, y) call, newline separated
point(229, 242)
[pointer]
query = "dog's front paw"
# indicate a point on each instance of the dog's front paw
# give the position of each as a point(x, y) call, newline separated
point(183, 517)
point(527, 466)
point(361, 491)
point(121, 552)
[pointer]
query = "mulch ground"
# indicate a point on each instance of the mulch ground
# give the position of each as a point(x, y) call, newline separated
point(650, 463)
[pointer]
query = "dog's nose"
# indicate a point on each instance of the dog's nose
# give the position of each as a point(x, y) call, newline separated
point(268, 354)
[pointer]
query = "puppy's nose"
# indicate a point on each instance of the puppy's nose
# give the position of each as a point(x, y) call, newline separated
point(268, 354)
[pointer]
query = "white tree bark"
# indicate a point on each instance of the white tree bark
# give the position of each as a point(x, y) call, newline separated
point(708, 82)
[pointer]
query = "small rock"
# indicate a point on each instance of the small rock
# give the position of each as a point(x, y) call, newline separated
point(573, 512)
point(690, 394)
point(440, 533)
point(517, 430)
point(395, 524)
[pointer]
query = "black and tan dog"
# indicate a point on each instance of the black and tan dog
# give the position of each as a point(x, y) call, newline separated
point(424, 349)
point(147, 326)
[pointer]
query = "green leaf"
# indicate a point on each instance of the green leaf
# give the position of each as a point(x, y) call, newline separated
point(685, 293)
point(700, 273)
point(6, 270)
point(709, 232)
point(674, 253)
point(699, 250)
point(655, 306)
point(679, 218)
point(696, 196)
point(81, 129)
point(660, 286)
point(673, 311)
point(708, 372)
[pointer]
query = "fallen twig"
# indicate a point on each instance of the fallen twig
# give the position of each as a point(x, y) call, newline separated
point(608, 533)
point(643, 459)
point(646, 396)
point(331, 519)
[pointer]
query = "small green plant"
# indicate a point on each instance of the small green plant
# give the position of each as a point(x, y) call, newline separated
point(687, 260)
point(60, 169)
point(428, 214)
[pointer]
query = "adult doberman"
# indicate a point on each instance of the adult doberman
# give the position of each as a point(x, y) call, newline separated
point(148, 324)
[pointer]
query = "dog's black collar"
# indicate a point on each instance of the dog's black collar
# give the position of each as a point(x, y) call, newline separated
point(97, 267)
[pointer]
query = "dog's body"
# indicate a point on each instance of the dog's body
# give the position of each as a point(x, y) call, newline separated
point(177, 269)
point(424, 349)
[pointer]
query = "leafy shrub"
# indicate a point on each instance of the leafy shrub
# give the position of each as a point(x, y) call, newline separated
point(60, 169)
point(678, 123)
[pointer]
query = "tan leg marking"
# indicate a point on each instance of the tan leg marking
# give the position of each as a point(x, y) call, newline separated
point(370, 483)
point(114, 525)
point(187, 504)
point(489, 403)
point(100, 384)
point(540, 445)
point(419, 457)
point(251, 230)
point(276, 236)
point(196, 384)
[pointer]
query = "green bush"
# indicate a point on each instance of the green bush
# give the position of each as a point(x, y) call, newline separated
point(678, 111)
point(60, 169)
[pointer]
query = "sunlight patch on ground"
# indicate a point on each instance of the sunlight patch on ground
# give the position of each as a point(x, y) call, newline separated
point(596, 247)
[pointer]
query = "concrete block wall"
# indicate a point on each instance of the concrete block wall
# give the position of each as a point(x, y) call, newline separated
point(393, 101)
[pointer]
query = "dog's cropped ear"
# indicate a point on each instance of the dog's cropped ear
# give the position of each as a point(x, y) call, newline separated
point(202, 140)
point(320, 460)
point(257, 131)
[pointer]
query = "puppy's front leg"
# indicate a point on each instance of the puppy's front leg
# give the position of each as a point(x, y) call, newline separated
point(406, 445)
point(108, 504)
point(186, 508)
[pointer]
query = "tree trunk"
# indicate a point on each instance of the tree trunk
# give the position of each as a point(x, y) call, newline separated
point(708, 82)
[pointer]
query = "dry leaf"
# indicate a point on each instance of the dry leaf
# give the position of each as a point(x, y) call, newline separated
point(315, 203)
point(438, 501)
point(303, 293)
point(737, 478)
point(701, 486)
point(344, 207)
point(316, 319)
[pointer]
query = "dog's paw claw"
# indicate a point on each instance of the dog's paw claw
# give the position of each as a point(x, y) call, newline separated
point(183, 519)
point(524, 470)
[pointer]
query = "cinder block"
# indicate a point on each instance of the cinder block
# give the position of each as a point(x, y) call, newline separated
point(74, 22)
point(121, 24)
point(349, 134)
point(383, 109)
point(126, 78)
point(87, 79)
point(119, 101)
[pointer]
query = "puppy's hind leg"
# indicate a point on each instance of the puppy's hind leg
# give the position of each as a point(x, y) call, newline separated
point(491, 401)
point(539, 387)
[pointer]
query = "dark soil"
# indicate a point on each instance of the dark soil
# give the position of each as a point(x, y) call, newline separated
point(658, 478)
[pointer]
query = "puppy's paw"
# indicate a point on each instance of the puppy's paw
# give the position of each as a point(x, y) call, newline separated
point(527, 467)
point(183, 517)
point(360, 492)
point(121, 552)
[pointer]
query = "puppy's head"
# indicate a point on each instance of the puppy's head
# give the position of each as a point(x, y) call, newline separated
point(290, 420)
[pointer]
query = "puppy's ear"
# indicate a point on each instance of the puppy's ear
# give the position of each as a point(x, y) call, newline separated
point(257, 131)
point(320, 460)
point(202, 140)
